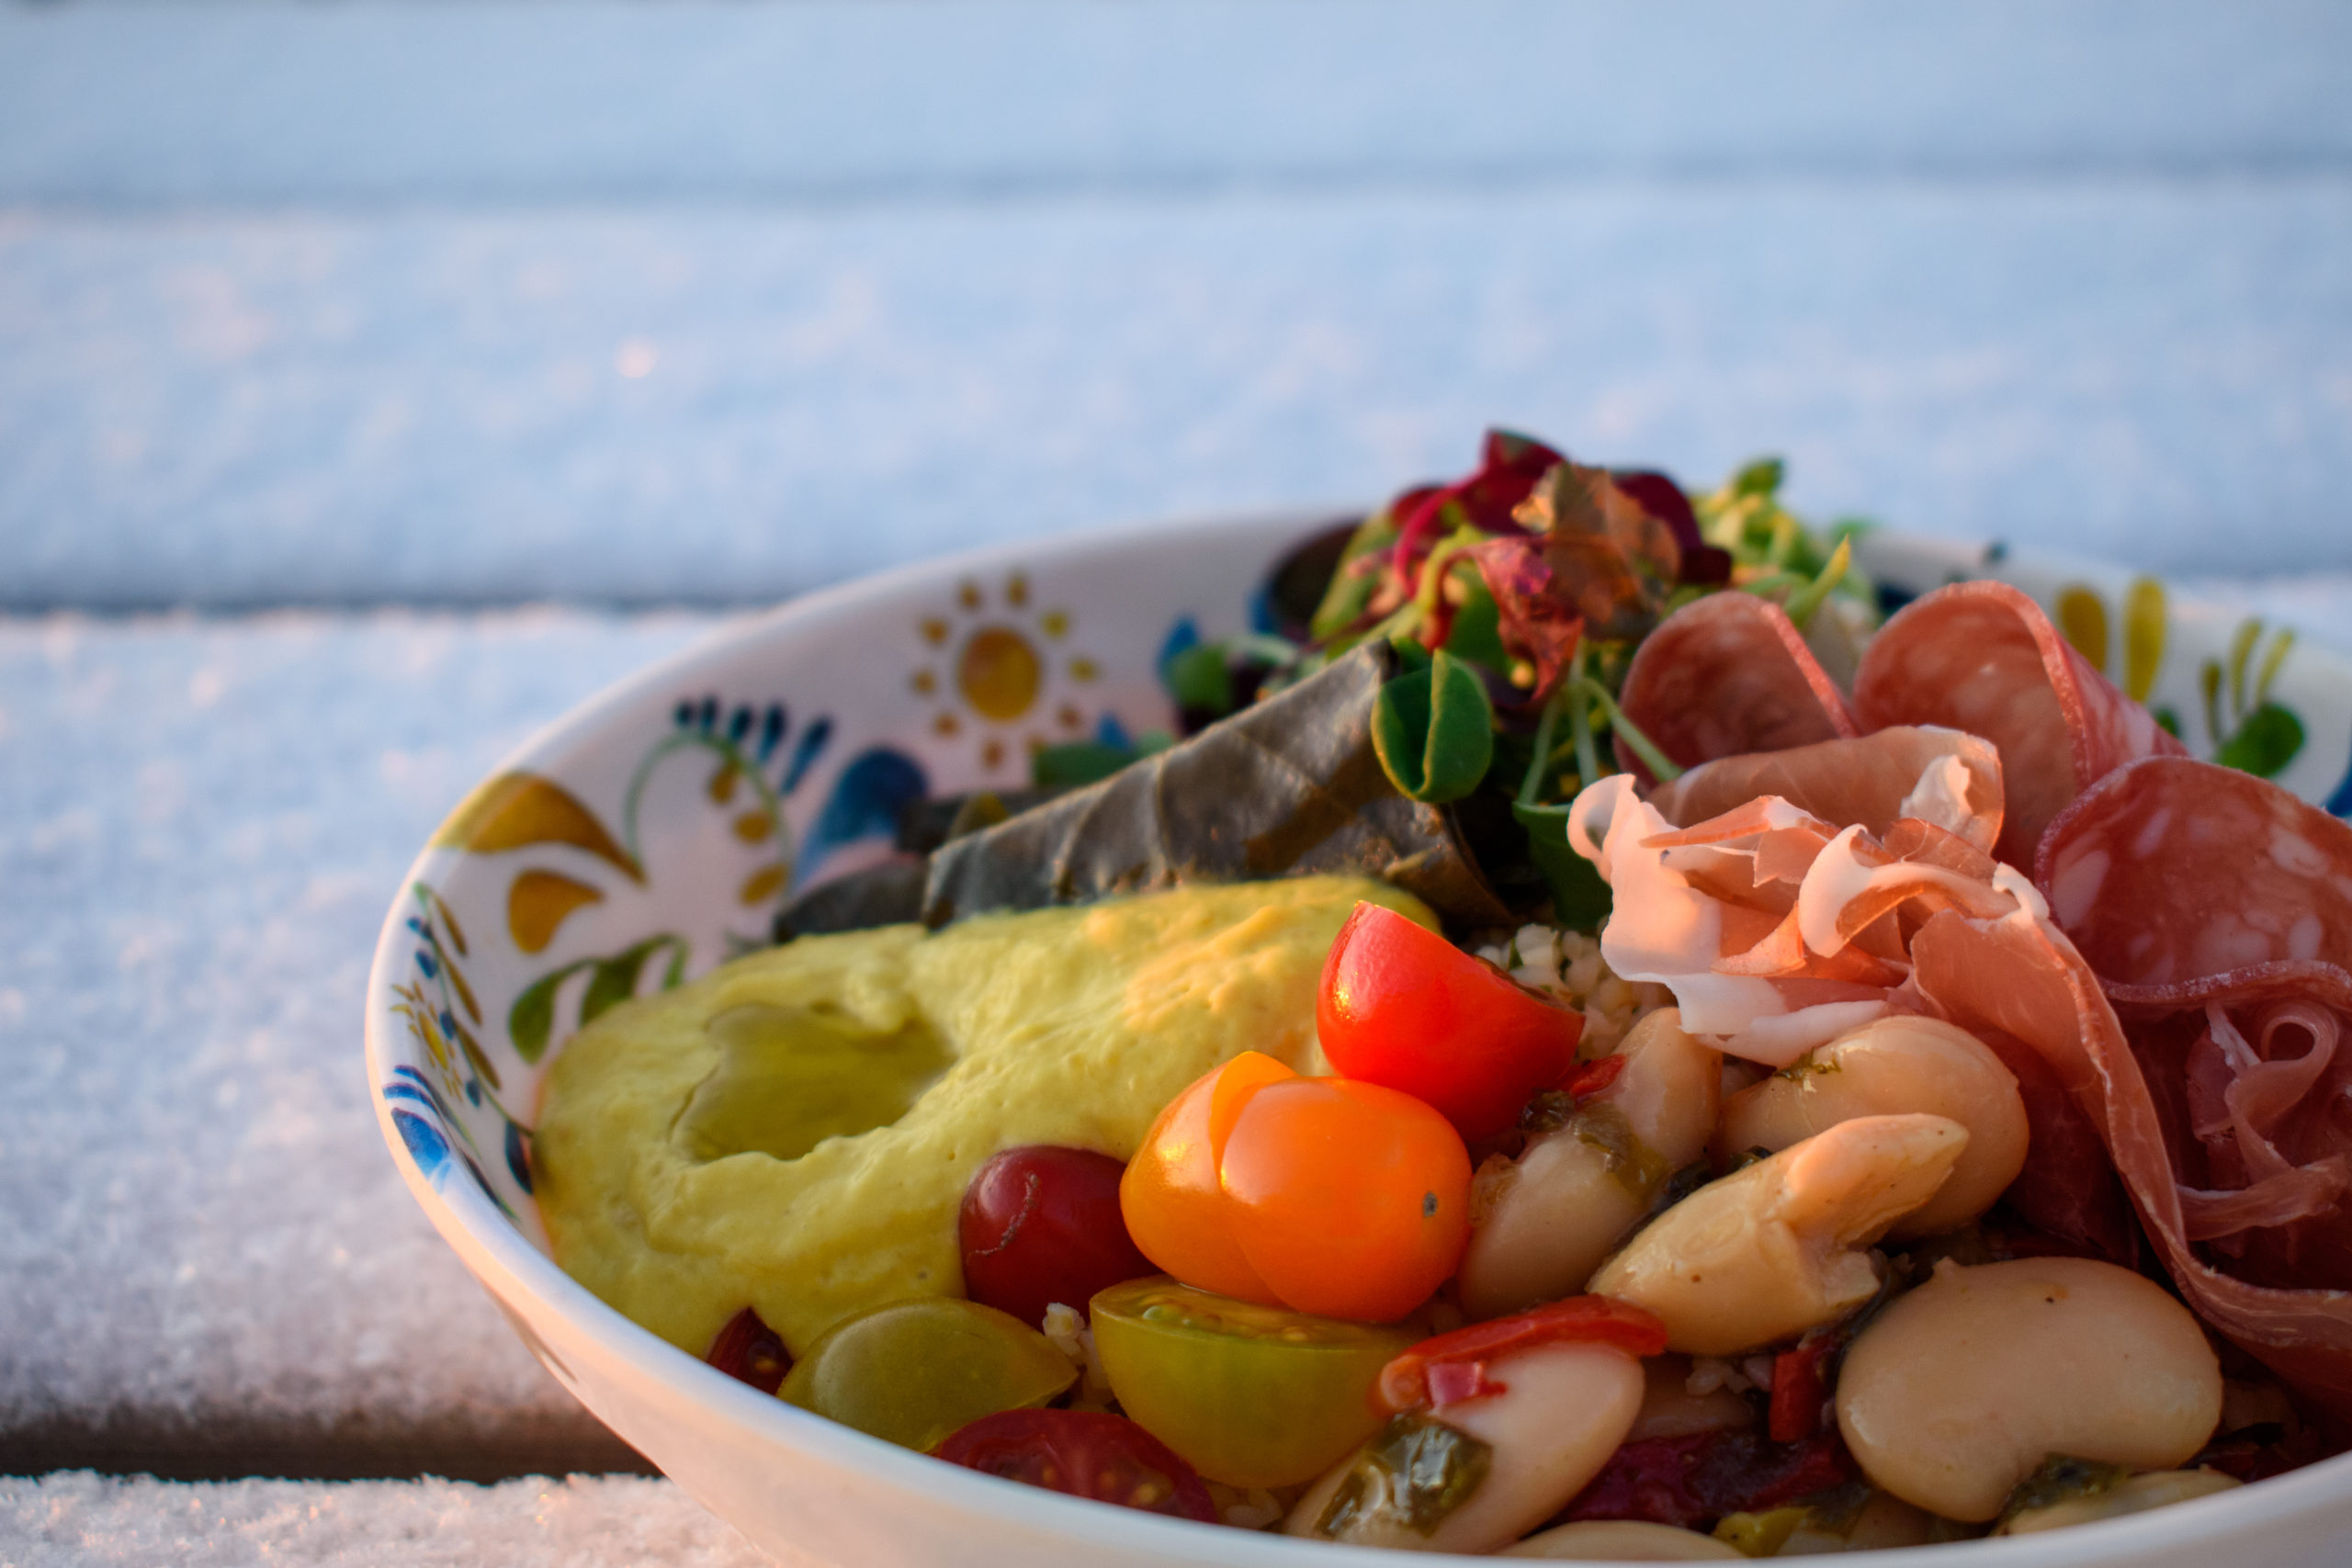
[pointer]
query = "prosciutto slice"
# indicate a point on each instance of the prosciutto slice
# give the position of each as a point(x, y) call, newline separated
point(2216, 911)
point(1725, 676)
point(1982, 657)
point(1939, 776)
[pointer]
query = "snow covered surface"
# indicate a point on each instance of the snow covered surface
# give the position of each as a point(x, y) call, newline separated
point(205, 1252)
point(710, 405)
point(80, 1520)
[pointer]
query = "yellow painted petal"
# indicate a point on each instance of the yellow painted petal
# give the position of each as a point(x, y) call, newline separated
point(537, 904)
point(2144, 636)
point(2082, 616)
point(763, 885)
point(515, 809)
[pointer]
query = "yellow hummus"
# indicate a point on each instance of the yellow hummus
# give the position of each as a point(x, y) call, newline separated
point(795, 1131)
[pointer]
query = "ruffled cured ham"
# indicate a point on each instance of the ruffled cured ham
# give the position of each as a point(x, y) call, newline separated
point(1940, 777)
point(2216, 911)
point(1777, 929)
point(1982, 657)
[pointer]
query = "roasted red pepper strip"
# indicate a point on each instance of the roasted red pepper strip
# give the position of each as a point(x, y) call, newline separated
point(1690, 1482)
point(1798, 1388)
point(1406, 1383)
point(1589, 1078)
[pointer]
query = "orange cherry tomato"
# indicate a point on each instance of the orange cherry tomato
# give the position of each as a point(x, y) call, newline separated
point(1170, 1196)
point(1401, 1006)
point(1349, 1200)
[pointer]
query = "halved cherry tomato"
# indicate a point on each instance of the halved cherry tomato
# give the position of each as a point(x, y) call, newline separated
point(1402, 1007)
point(1450, 1367)
point(1349, 1200)
point(1085, 1453)
point(1251, 1395)
point(748, 1351)
point(1171, 1199)
point(1344, 1200)
point(1041, 1225)
point(913, 1371)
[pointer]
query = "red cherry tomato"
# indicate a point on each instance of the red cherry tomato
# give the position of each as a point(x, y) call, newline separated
point(750, 1351)
point(1402, 1007)
point(1041, 1225)
point(1086, 1454)
point(1350, 1199)
point(1173, 1199)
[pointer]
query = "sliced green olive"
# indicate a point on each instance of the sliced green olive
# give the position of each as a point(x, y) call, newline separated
point(1251, 1395)
point(913, 1371)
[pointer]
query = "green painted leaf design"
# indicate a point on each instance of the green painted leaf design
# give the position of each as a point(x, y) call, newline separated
point(1434, 731)
point(2264, 743)
point(532, 1018)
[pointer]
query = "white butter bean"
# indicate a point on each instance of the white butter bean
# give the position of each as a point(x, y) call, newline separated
point(1621, 1541)
point(1886, 1069)
point(1563, 1411)
point(1961, 1389)
point(2157, 1489)
point(1775, 1249)
point(1669, 1408)
point(1546, 1222)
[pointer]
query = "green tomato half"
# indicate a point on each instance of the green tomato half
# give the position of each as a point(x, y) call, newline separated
point(1250, 1395)
point(913, 1371)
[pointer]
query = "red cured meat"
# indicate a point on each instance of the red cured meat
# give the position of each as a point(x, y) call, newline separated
point(1725, 675)
point(2216, 911)
point(2176, 877)
point(1982, 657)
point(1844, 783)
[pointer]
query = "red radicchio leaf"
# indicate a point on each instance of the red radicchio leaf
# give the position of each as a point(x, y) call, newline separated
point(1690, 1482)
point(1661, 498)
point(1537, 616)
point(1507, 468)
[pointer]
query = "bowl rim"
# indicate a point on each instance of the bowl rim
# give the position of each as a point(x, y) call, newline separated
point(505, 1261)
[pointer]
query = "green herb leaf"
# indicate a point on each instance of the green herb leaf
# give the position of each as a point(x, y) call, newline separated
point(1077, 763)
point(2264, 743)
point(1198, 678)
point(1414, 1473)
point(1580, 898)
point(1349, 594)
point(1761, 477)
point(1434, 731)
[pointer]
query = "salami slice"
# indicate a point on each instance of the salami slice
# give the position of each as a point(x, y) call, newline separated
point(2216, 909)
point(1982, 657)
point(1938, 775)
point(2176, 877)
point(1725, 676)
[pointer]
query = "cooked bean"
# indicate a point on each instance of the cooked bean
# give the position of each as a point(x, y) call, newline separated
point(1961, 1389)
point(1670, 1410)
point(1776, 1248)
point(1886, 1069)
point(1621, 1541)
point(2155, 1490)
point(1544, 1222)
point(1561, 1412)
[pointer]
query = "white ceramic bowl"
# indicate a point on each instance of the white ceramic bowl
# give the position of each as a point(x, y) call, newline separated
point(652, 833)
